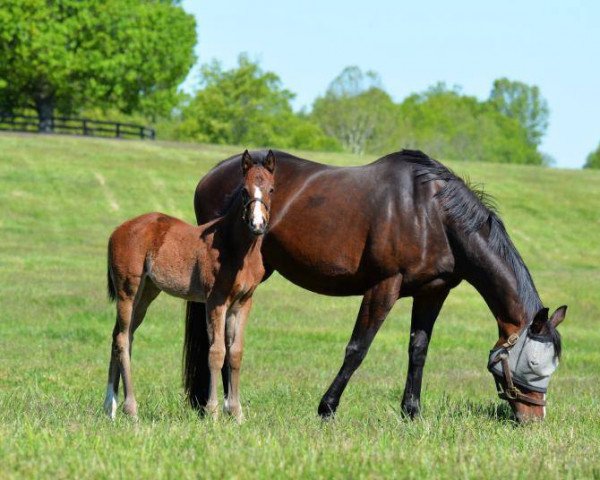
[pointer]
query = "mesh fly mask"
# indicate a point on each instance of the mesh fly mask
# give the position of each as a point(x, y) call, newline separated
point(526, 360)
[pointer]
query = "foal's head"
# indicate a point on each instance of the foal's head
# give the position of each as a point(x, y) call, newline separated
point(257, 189)
point(532, 361)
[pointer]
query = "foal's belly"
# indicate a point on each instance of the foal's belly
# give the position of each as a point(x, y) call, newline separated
point(177, 276)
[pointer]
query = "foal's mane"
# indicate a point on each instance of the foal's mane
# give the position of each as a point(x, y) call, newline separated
point(470, 208)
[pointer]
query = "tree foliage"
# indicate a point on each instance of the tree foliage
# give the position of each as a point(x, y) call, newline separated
point(593, 159)
point(356, 111)
point(75, 54)
point(247, 106)
point(524, 103)
point(449, 125)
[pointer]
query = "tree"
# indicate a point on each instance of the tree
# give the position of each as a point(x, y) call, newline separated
point(356, 111)
point(246, 105)
point(449, 125)
point(593, 159)
point(524, 103)
point(74, 54)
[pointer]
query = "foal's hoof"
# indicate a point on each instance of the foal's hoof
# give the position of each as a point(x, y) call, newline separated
point(130, 409)
point(235, 412)
point(110, 408)
point(211, 411)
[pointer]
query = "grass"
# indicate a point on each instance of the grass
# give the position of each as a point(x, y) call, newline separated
point(61, 197)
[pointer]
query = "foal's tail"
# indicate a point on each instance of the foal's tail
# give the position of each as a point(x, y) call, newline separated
point(110, 286)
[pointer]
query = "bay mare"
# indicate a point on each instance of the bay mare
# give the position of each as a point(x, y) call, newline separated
point(218, 262)
point(402, 226)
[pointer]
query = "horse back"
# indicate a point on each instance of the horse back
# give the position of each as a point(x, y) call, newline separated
point(339, 230)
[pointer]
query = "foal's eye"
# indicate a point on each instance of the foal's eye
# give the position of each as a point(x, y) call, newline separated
point(270, 190)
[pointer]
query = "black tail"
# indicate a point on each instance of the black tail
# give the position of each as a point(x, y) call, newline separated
point(110, 286)
point(196, 374)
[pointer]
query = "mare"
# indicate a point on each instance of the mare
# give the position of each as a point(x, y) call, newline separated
point(218, 263)
point(402, 226)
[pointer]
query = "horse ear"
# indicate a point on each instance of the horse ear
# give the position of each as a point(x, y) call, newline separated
point(246, 161)
point(539, 321)
point(269, 162)
point(558, 316)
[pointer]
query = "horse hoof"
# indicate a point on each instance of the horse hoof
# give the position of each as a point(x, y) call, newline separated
point(110, 408)
point(130, 409)
point(326, 411)
point(411, 410)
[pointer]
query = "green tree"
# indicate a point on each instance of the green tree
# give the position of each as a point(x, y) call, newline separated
point(524, 103)
point(356, 111)
point(75, 54)
point(246, 105)
point(593, 159)
point(449, 125)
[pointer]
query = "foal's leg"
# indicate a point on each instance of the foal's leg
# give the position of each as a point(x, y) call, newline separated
point(215, 320)
point(235, 349)
point(375, 306)
point(112, 388)
point(424, 314)
point(124, 316)
point(147, 296)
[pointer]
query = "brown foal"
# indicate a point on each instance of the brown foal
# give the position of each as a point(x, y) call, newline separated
point(218, 263)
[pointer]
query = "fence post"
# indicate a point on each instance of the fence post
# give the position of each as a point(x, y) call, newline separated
point(118, 130)
point(85, 127)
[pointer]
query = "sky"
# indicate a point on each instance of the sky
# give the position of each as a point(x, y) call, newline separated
point(413, 45)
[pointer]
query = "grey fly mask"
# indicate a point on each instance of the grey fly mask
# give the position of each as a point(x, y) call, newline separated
point(526, 360)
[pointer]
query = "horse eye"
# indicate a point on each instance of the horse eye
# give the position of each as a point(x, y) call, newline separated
point(271, 190)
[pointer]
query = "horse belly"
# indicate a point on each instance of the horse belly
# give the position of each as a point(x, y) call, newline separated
point(177, 273)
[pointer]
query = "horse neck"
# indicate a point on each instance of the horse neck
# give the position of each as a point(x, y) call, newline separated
point(510, 295)
point(233, 232)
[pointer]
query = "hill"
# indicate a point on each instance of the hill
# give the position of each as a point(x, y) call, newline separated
point(60, 198)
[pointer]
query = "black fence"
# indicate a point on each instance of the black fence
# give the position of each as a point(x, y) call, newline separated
point(75, 126)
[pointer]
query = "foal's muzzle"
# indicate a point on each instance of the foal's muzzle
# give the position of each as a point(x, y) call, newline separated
point(262, 227)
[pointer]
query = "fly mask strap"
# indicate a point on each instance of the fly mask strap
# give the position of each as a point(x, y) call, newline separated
point(511, 392)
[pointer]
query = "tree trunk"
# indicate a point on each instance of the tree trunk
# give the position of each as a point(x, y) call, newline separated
point(45, 110)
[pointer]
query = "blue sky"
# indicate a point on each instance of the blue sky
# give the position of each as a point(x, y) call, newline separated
point(412, 45)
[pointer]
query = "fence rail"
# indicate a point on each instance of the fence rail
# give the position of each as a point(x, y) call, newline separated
point(75, 126)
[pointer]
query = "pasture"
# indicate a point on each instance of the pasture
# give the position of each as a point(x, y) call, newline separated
point(60, 198)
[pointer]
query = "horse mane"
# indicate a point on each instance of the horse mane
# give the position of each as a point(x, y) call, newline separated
point(230, 200)
point(469, 207)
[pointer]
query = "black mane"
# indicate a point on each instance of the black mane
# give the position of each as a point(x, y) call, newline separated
point(470, 208)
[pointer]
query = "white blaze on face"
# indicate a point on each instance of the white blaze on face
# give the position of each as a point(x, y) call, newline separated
point(258, 219)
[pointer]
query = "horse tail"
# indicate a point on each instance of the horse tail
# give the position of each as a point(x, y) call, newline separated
point(196, 374)
point(110, 286)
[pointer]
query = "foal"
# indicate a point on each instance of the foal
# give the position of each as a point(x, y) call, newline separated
point(219, 263)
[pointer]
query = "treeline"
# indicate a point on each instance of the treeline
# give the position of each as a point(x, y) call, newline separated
point(123, 60)
point(248, 106)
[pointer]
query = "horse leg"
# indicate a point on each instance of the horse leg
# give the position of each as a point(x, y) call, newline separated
point(235, 349)
point(425, 311)
point(148, 295)
point(112, 388)
point(375, 306)
point(215, 322)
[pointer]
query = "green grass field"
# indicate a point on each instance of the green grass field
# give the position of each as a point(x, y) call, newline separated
point(61, 197)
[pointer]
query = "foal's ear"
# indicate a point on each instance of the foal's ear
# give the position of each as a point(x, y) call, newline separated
point(539, 321)
point(246, 161)
point(269, 162)
point(558, 316)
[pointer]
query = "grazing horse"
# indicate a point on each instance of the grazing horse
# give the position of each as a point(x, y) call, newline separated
point(402, 226)
point(218, 263)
